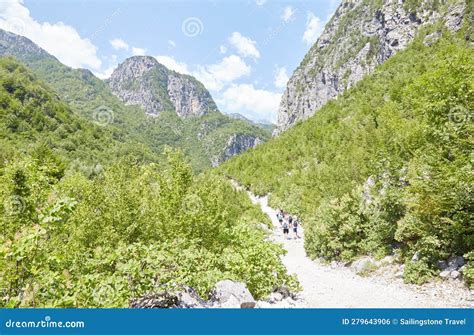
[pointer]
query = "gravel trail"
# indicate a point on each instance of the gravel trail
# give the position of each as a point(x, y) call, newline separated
point(339, 287)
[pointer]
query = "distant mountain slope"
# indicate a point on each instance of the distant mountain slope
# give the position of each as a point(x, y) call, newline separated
point(387, 167)
point(267, 126)
point(143, 81)
point(93, 98)
point(33, 117)
point(361, 35)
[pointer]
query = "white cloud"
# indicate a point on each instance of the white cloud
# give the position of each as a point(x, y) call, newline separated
point(138, 51)
point(288, 14)
point(59, 39)
point(222, 49)
point(216, 76)
point(254, 103)
point(281, 78)
point(119, 44)
point(173, 64)
point(244, 45)
point(172, 43)
point(314, 28)
point(260, 2)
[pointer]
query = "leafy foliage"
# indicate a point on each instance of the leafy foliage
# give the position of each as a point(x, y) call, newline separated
point(75, 242)
point(408, 129)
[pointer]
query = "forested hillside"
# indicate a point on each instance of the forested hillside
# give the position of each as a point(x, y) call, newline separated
point(387, 167)
point(205, 140)
point(77, 237)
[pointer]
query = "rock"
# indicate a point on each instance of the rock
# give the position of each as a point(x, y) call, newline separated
point(455, 16)
point(431, 39)
point(284, 291)
point(372, 33)
point(188, 298)
point(156, 300)
point(455, 274)
point(231, 302)
point(156, 88)
point(444, 274)
point(230, 293)
point(275, 297)
point(236, 143)
point(462, 269)
point(442, 265)
point(455, 262)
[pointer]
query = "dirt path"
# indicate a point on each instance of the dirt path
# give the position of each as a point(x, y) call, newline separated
point(340, 287)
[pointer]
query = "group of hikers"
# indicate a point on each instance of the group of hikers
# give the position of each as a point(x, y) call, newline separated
point(288, 222)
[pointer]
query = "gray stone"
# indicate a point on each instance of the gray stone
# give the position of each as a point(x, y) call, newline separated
point(230, 302)
point(188, 298)
point(228, 293)
point(444, 274)
point(275, 296)
point(431, 39)
point(455, 262)
point(442, 265)
point(416, 257)
point(455, 274)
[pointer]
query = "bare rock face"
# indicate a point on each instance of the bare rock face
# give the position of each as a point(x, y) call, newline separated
point(360, 36)
point(143, 81)
point(236, 144)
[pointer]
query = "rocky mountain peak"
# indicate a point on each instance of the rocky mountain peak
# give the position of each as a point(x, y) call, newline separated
point(361, 35)
point(143, 81)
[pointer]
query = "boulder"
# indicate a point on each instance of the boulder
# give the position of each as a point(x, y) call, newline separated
point(444, 274)
point(455, 274)
point(231, 294)
point(455, 262)
point(188, 298)
point(442, 265)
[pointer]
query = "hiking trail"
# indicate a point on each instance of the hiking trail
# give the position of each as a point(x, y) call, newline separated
point(324, 286)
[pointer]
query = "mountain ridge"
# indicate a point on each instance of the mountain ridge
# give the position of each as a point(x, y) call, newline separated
point(361, 35)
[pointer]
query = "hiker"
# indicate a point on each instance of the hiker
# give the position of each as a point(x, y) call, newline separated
point(280, 216)
point(296, 223)
point(286, 228)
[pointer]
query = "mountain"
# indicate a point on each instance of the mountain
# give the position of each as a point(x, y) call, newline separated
point(33, 119)
point(386, 168)
point(143, 103)
point(141, 80)
point(361, 35)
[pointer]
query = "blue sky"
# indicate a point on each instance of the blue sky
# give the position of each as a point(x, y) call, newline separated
point(243, 51)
